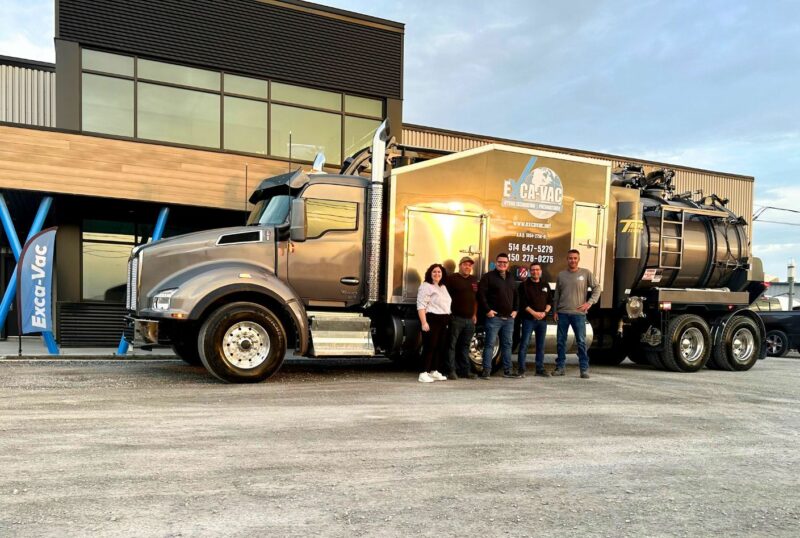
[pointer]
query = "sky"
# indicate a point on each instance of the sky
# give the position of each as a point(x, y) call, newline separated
point(711, 84)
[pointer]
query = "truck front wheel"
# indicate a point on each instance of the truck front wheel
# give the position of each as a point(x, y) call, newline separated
point(242, 343)
point(185, 346)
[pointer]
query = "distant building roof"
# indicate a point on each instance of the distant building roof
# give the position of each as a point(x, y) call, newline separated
point(27, 64)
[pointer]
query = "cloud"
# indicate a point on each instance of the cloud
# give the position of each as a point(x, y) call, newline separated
point(20, 46)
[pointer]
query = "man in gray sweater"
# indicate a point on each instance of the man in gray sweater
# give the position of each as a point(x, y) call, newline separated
point(571, 306)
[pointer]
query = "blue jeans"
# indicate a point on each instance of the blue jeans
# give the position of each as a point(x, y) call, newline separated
point(461, 331)
point(505, 327)
point(578, 324)
point(529, 326)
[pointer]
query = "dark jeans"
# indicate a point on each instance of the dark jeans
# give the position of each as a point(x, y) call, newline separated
point(434, 341)
point(529, 326)
point(578, 324)
point(461, 331)
point(505, 327)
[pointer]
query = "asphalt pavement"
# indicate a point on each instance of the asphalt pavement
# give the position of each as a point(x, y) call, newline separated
point(359, 448)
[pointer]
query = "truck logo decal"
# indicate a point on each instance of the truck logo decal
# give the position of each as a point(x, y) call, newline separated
point(631, 226)
point(539, 190)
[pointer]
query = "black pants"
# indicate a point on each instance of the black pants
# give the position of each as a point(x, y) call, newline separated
point(460, 335)
point(434, 342)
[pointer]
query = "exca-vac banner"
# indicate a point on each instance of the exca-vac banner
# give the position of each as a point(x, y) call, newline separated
point(35, 277)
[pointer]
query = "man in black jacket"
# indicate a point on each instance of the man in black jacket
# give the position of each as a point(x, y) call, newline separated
point(497, 295)
point(535, 302)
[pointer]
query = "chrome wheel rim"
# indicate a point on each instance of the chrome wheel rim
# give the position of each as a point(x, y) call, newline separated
point(691, 345)
point(245, 345)
point(743, 345)
point(774, 344)
point(476, 350)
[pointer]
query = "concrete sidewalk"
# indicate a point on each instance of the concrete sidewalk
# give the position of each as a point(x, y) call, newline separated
point(33, 348)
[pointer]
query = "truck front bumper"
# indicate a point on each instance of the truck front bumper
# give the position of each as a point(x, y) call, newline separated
point(145, 331)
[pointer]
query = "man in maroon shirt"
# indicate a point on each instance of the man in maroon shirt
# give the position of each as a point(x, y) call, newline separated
point(463, 287)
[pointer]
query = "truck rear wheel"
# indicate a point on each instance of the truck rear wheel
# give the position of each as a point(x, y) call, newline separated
point(687, 345)
point(476, 352)
point(242, 343)
point(777, 343)
point(739, 345)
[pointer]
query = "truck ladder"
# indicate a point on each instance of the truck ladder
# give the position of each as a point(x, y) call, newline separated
point(662, 246)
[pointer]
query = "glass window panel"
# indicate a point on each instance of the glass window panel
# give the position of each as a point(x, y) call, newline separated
point(245, 86)
point(178, 115)
point(106, 62)
point(306, 96)
point(363, 106)
point(107, 105)
point(328, 215)
point(245, 125)
point(105, 264)
point(179, 74)
point(312, 132)
point(358, 133)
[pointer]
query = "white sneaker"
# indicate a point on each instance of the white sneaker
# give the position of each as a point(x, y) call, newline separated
point(437, 376)
point(425, 377)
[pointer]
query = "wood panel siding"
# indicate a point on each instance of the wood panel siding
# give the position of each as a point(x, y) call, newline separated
point(61, 162)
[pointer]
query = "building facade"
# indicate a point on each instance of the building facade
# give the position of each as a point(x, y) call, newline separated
point(187, 104)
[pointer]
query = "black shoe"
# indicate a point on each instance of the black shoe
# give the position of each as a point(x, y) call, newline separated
point(484, 375)
point(584, 374)
point(471, 376)
point(521, 374)
point(558, 372)
point(452, 375)
point(510, 375)
point(542, 373)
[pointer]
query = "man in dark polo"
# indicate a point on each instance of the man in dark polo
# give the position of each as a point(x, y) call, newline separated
point(497, 295)
point(535, 302)
point(463, 289)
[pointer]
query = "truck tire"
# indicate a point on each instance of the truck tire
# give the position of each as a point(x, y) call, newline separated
point(476, 352)
point(739, 345)
point(687, 344)
point(242, 343)
point(606, 357)
point(187, 351)
point(777, 343)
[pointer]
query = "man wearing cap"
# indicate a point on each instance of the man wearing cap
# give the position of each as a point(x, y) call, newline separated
point(463, 288)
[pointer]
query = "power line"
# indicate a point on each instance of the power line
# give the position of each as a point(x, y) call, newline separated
point(764, 208)
point(779, 222)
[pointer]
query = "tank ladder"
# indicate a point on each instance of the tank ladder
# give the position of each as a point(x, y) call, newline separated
point(663, 251)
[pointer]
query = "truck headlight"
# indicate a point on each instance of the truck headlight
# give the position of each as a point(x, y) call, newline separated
point(161, 299)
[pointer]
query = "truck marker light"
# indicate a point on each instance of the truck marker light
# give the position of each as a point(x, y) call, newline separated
point(665, 306)
point(245, 275)
point(177, 315)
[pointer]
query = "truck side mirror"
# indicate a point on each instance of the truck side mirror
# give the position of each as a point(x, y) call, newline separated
point(297, 230)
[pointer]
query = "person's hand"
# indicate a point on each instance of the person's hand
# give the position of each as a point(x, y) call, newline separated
point(491, 314)
point(474, 320)
point(426, 327)
point(585, 307)
point(513, 314)
point(555, 316)
point(538, 315)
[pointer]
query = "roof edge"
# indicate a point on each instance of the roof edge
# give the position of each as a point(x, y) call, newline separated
point(27, 64)
point(353, 16)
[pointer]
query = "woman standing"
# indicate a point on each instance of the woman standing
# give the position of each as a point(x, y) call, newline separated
point(433, 308)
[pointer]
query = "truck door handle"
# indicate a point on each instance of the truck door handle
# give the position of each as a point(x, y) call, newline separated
point(349, 281)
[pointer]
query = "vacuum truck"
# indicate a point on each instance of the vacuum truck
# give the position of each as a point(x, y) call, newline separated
point(329, 264)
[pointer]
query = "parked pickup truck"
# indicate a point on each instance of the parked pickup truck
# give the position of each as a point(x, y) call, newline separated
point(783, 331)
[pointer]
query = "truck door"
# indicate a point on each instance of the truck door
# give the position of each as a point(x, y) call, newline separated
point(587, 236)
point(440, 237)
point(327, 268)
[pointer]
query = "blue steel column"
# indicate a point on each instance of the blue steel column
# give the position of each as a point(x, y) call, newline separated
point(161, 223)
point(16, 248)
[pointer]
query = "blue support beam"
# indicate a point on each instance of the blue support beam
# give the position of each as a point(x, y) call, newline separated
point(158, 232)
point(16, 248)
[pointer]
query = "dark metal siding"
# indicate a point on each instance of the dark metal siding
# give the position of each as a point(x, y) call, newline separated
point(245, 36)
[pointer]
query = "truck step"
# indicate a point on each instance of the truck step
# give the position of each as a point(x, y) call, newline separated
point(335, 334)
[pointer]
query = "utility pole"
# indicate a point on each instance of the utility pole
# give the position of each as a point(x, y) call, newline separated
point(790, 279)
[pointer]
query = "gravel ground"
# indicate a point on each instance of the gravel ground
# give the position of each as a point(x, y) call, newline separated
point(353, 448)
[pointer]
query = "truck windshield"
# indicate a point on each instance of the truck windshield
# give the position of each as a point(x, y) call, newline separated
point(271, 211)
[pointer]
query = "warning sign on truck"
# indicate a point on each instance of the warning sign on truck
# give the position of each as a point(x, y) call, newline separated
point(653, 275)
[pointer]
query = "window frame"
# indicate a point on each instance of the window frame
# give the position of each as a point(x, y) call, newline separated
point(222, 93)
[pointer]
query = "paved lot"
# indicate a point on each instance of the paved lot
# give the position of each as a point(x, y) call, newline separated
point(156, 448)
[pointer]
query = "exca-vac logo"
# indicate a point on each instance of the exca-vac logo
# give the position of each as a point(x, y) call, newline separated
point(538, 190)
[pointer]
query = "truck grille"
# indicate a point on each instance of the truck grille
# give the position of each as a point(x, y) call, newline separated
point(132, 291)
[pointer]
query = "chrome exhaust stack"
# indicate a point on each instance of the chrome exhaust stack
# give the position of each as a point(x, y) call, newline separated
point(375, 215)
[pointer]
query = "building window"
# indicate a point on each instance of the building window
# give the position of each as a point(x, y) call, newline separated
point(146, 99)
point(178, 115)
point(330, 215)
point(107, 105)
point(245, 125)
point(106, 246)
